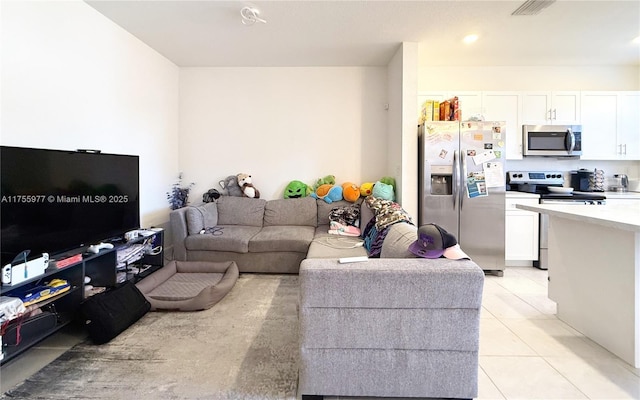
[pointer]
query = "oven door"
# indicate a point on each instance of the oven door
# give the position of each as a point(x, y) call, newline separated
point(552, 140)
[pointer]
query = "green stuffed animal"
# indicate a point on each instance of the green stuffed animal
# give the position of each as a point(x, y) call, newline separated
point(296, 189)
point(327, 180)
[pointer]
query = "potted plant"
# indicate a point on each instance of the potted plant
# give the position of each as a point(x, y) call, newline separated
point(179, 195)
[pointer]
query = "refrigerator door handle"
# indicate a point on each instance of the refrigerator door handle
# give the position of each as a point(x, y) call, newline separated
point(463, 176)
point(454, 178)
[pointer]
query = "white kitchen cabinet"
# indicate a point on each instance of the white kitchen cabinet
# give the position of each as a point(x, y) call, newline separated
point(521, 230)
point(556, 108)
point(506, 106)
point(610, 125)
point(628, 134)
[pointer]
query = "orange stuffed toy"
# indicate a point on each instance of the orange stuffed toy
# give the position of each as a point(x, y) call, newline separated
point(350, 192)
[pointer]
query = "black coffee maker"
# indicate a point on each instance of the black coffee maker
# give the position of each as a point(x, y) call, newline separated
point(584, 180)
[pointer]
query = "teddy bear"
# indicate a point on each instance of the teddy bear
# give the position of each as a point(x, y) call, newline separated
point(230, 186)
point(248, 190)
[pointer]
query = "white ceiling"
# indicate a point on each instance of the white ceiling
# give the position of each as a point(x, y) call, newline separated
point(368, 33)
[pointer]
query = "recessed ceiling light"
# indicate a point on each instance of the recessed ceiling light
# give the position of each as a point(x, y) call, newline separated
point(470, 38)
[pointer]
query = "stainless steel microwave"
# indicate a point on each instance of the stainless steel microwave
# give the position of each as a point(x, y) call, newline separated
point(552, 140)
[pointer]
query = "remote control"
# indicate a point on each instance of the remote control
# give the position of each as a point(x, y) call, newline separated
point(345, 260)
point(95, 248)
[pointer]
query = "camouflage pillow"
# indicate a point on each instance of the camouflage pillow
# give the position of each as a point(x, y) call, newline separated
point(386, 212)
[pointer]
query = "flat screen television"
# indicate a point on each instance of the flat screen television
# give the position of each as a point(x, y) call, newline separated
point(54, 201)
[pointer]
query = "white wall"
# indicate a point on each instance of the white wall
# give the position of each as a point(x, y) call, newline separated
point(72, 79)
point(529, 78)
point(282, 124)
point(402, 78)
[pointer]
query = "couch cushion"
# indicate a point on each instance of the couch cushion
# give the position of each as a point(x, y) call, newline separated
point(201, 217)
point(233, 238)
point(282, 238)
point(325, 245)
point(294, 212)
point(246, 211)
point(396, 242)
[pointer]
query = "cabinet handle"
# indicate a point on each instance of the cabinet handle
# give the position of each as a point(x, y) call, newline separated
point(625, 149)
point(555, 113)
point(549, 112)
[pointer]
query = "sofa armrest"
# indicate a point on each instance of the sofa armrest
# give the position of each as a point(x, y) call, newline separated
point(178, 221)
point(391, 283)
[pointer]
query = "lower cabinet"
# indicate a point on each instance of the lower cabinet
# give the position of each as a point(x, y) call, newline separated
point(521, 231)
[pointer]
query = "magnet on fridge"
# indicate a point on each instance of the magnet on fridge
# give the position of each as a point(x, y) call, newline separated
point(488, 146)
point(497, 153)
point(478, 137)
point(501, 144)
point(497, 135)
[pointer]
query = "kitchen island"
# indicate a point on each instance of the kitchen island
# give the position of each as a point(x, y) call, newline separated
point(594, 272)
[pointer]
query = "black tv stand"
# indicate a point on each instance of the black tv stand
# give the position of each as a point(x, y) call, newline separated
point(104, 271)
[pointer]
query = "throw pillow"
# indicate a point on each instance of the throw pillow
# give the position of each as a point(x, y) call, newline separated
point(399, 238)
point(201, 217)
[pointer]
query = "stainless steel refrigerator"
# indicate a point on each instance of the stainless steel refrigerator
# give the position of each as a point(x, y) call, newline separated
point(462, 185)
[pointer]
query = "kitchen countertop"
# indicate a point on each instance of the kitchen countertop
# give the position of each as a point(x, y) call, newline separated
point(523, 195)
point(626, 217)
point(622, 195)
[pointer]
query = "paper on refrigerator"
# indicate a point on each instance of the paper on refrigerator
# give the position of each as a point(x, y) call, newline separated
point(493, 174)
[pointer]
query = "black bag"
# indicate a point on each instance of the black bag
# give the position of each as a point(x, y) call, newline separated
point(109, 313)
point(25, 330)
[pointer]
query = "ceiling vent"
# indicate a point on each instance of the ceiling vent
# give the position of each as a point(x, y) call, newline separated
point(532, 7)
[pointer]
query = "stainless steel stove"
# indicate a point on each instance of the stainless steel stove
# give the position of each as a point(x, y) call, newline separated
point(539, 182)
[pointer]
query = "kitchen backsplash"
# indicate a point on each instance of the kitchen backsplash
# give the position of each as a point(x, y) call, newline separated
point(630, 168)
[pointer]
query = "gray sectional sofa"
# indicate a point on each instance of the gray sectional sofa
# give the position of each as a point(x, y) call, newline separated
point(394, 326)
point(261, 236)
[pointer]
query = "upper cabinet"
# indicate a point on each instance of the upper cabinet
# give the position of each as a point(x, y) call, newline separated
point(506, 106)
point(610, 120)
point(610, 125)
point(628, 134)
point(555, 108)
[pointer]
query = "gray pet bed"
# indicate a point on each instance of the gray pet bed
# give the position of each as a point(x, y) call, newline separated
point(189, 285)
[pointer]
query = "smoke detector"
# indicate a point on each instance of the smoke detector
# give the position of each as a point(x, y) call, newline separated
point(250, 15)
point(532, 7)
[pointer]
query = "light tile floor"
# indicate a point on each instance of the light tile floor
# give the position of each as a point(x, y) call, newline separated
point(525, 351)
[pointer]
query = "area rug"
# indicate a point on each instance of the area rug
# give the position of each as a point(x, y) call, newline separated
point(245, 347)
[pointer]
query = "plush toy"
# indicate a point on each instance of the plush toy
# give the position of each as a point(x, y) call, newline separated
point(350, 192)
point(389, 180)
point(296, 189)
point(366, 189)
point(329, 193)
point(383, 191)
point(230, 186)
point(248, 190)
point(211, 196)
point(327, 180)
